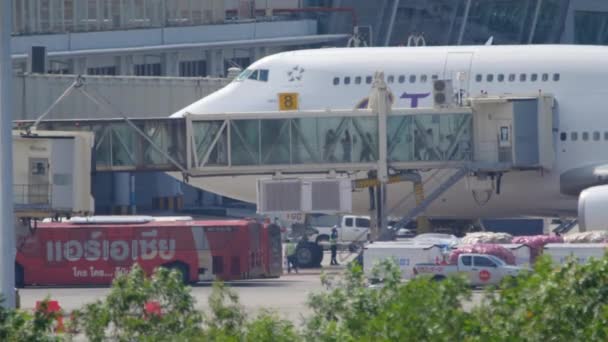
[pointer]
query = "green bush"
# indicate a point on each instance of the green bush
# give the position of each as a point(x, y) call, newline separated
point(567, 303)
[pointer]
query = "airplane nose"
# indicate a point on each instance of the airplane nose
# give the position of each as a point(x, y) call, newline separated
point(221, 101)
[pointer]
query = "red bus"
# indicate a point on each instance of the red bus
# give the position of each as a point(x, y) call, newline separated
point(94, 250)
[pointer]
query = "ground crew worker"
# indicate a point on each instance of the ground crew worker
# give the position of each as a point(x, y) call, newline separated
point(290, 251)
point(333, 240)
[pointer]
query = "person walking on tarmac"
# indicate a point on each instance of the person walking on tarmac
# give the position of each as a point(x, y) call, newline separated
point(333, 240)
point(290, 251)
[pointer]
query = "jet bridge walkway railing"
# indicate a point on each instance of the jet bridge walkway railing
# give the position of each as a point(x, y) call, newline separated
point(269, 143)
point(304, 142)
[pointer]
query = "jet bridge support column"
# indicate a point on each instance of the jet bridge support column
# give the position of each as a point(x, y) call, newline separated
point(380, 104)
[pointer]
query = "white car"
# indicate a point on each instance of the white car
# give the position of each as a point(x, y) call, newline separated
point(480, 269)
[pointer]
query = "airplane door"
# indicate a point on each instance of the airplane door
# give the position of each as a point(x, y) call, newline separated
point(458, 69)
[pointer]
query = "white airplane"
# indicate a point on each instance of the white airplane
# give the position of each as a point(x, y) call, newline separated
point(339, 78)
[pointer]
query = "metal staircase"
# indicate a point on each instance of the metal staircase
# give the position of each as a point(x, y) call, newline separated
point(419, 209)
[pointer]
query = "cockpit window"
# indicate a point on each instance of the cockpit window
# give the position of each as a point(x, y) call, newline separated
point(264, 75)
point(244, 74)
point(256, 75)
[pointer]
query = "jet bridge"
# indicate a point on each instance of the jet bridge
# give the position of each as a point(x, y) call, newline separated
point(490, 134)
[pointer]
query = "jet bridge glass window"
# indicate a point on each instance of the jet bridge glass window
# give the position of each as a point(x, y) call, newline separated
point(479, 77)
point(490, 77)
point(556, 77)
point(533, 77)
point(401, 78)
point(545, 77)
point(585, 136)
point(336, 80)
point(511, 77)
point(347, 80)
point(358, 80)
point(574, 136)
point(596, 136)
point(522, 77)
point(501, 78)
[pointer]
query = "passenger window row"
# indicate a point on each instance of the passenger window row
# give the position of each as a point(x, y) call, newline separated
point(347, 80)
point(545, 77)
point(585, 136)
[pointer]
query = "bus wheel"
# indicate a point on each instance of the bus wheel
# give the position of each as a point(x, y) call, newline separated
point(19, 276)
point(306, 254)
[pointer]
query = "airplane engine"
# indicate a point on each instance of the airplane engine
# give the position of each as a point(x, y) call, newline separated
point(593, 209)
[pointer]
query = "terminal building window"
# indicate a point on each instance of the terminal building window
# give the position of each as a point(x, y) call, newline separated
point(193, 68)
point(149, 69)
point(108, 70)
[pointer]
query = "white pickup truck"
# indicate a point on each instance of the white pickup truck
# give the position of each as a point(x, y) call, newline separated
point(351, 229)
point(481, 269)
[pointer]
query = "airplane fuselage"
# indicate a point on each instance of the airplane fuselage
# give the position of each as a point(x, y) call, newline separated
point(341, 79)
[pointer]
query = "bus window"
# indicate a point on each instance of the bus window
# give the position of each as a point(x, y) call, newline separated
point(218, 264)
